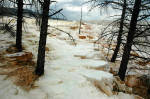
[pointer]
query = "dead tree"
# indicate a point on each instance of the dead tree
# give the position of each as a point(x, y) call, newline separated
point(128, 45)
point(20, 4)
point(119, 5)
point(43, 36)
point(119, 38)
point(19, 25)
point(80, 21)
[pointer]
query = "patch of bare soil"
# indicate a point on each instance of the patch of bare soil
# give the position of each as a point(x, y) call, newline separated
point(74, 27)
point(19, 67)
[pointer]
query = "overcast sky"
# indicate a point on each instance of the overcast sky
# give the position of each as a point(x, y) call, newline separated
point(72, 10)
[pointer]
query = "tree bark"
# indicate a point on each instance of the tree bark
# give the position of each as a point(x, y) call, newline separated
point(128, 45)
point(119, 38)
point(43, 36)
point(80, 21)
point(19, 25)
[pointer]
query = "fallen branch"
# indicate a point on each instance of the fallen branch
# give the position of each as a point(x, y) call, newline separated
point(56, 12)
point(71, 37)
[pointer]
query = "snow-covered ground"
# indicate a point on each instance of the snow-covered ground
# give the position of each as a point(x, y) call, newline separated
point(69, 67)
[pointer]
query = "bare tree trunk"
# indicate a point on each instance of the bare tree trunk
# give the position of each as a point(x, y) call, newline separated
point(128, 45)
point(119, 39)
point(19, 25)
point(80, 22)
point(43, 36)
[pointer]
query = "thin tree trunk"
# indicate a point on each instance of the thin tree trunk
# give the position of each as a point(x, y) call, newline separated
point(19, 25)
point(119, 39)
point(80, 22)
point(128, 45)
point(43, 36)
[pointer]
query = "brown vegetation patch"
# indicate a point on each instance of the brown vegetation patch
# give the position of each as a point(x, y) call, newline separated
point(24, 59)
point(101, 68)
point(46, 49)
point(81, 56)
point(52, 35)
point(134, 54)
point(90, 37)
point(142, 63)
point(24, 77)
point(74, 27)
point(82, 37)
point(30, 36)
point(2, 60)
point(21, 76)
point(19, 67)
point(96, 49)
point(112, 71)
point(13, 49)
